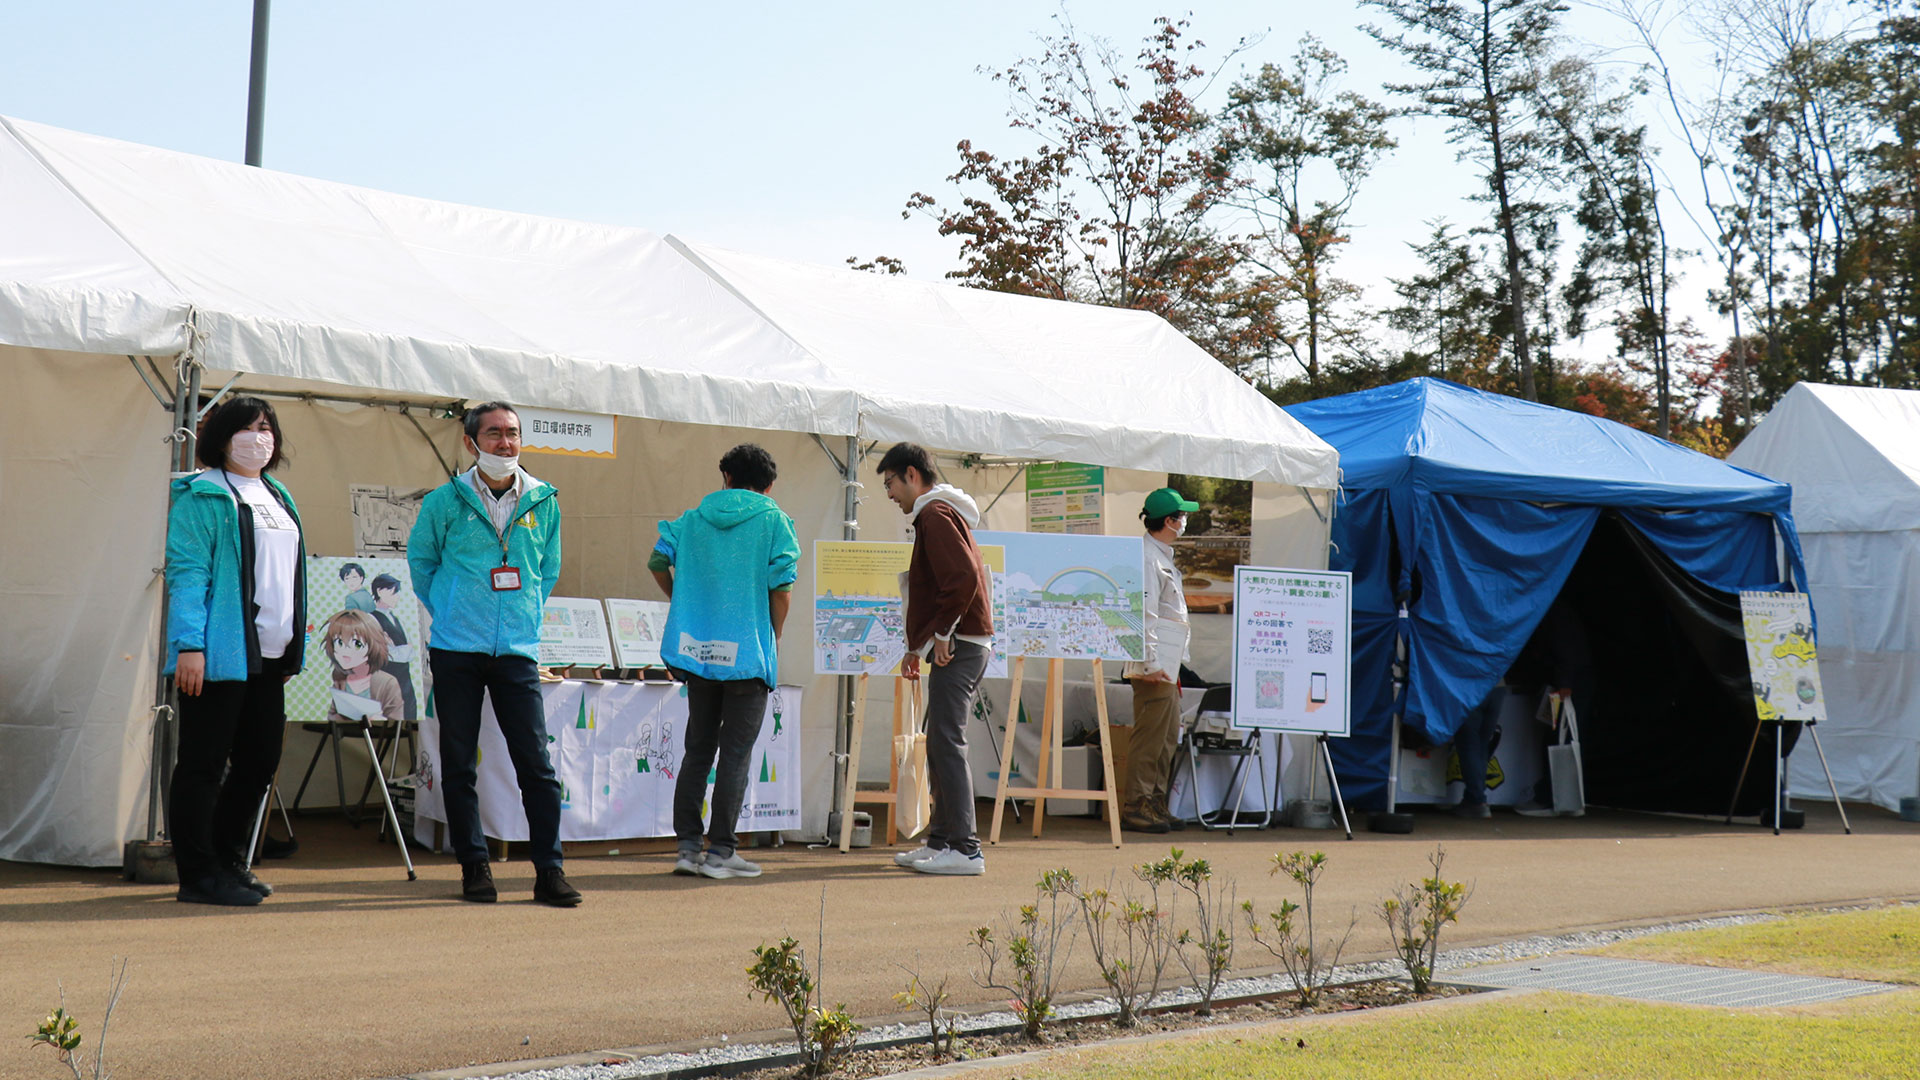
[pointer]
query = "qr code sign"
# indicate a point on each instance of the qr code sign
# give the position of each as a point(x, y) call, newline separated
point(1320, 642)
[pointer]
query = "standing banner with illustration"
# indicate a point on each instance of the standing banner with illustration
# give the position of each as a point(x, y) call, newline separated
point(1781, 656)
point(638, 626)
point(1072, 597)
point(366, 650)
point(1292, 641)
point(859, 623)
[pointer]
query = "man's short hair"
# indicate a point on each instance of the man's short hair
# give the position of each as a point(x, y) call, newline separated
point(352, 568)
point(1155, 524)
point(749, 466)
point(896, 460)
point(475, 414)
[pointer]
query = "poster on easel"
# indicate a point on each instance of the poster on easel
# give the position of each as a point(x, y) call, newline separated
point(637, 628)
point(859, 624)
point(365, 645)
point(1781, 656)
point(1292, 642)
point(1073, 597)
point(573, 633)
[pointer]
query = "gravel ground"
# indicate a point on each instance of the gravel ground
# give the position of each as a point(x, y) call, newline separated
point(1452, 960)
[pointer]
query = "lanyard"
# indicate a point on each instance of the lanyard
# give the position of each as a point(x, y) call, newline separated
point(484, 496)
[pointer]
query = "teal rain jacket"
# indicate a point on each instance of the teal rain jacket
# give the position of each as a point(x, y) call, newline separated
point(727, 553)
point(452, 552)
point(203, 579)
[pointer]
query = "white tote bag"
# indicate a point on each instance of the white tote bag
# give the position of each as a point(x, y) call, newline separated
point(913, 798)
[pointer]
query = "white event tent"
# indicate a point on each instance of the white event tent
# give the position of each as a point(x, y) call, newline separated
point(127, 272)
point(1852, 454)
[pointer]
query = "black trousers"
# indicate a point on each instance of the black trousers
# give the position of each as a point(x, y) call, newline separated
point(230, 736)
point(459, 681)
point(723, 720)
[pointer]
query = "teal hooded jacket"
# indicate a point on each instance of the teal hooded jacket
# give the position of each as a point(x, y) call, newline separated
point(727, 553)
point(204, 591)
point(453, 551)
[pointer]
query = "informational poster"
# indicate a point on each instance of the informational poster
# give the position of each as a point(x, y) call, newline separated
point(1066, 498)
point(573, 633)
point(617, 748)
point(1292, 649)
point(859, 617)
point(1206, 566)
point(1073, 597)
point(365, 642)
point(1781, 656)
point(383, 518)
point(637, 628)
point(551, 431)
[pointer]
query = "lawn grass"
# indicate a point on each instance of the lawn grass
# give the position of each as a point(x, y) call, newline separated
point(1541, 1036)
point(1882, 945)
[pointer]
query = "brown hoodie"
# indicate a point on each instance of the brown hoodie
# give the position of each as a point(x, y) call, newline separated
point(948, 590)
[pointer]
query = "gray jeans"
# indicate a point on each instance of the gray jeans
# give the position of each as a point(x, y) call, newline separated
point(723, 720)
point(950, 691)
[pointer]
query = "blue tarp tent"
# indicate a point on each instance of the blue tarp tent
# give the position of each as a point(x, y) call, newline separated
point(1477, 512)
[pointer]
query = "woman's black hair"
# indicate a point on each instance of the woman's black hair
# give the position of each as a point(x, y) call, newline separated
point(749, 466)
point(229, 419)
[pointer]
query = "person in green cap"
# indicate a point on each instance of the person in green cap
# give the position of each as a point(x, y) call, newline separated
point(1156, 677)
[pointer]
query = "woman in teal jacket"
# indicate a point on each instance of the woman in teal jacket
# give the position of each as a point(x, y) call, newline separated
point(236, 619)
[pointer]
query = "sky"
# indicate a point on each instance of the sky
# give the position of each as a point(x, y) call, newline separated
point(782, 129)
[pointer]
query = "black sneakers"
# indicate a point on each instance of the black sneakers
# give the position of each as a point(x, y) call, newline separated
point(220, 888)
point(476, 883)
point(550, 887)
point(244, 876)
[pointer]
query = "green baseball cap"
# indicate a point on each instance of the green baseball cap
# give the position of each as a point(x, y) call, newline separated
point(1168, 501)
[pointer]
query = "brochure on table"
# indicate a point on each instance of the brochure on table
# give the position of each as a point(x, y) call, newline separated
point(1292, 642)
point(859, 616)
point(637, 628)
point(1781, 656)
point(573, 633)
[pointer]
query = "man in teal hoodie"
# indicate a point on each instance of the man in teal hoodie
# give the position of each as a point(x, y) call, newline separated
point(728, 565)
point(485, 554)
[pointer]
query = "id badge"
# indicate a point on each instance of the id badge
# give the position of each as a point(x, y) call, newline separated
point(506, 579)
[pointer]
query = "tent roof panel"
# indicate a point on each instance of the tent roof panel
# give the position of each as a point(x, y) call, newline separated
point(1452, 439)
point(1852, 454)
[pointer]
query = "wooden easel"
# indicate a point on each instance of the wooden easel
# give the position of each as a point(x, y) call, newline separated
point(890, 797)
point(1052, 725)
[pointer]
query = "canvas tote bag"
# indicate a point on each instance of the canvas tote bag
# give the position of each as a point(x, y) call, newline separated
point(1563, 764)
point(913, 799)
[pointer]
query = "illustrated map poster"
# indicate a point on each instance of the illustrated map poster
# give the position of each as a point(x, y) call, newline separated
point(859, 622)
point(1066, 498)
point(616, 749)
point(1781, 656)
point(1292, 642)
point(573, 633)
point(637, 627)
point(1073, 597)
point(366, 653)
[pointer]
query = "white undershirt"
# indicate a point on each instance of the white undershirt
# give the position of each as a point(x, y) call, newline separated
point(276, 557)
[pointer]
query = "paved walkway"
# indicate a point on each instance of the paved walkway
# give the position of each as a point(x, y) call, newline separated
point(351, 971)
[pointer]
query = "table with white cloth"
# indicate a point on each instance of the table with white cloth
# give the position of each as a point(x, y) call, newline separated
point(1080, 765)
point(616, 747)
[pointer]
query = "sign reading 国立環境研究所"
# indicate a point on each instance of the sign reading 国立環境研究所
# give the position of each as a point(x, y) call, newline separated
point(550, 431)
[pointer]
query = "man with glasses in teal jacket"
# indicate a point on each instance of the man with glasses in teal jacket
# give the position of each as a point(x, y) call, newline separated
point(485, 554)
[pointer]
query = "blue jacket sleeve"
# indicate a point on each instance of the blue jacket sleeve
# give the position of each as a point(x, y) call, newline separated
point(424, 545)
point(189, 575)
point(784, 567)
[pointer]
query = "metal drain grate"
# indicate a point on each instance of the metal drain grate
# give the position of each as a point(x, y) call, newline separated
point(1683, 984)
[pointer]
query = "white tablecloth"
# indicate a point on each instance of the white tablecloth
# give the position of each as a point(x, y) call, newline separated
point(616, 747)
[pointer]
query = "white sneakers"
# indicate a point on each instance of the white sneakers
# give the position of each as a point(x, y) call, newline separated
point(950, 861)
point(732, 866)
point(908, 858)
point(688, 864)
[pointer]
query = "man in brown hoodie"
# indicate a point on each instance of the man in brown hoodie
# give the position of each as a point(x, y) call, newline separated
point(949, 621)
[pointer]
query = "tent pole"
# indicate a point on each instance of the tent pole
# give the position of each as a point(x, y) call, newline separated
point(1399, 690)
point(849, 530)
point(181, 447)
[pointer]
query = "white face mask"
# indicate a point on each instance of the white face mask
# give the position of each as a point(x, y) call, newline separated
point(250, 450)
point(1180, 525)
point(500, 468)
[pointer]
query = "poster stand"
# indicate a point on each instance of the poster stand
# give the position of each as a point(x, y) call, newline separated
point(1812, 728)
point(1333, 781)
point(1052, 732)
point(890, 797)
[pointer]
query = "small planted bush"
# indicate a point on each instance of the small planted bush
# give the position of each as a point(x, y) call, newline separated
point(1206, 947)
point(1028, 957)
point(1290, 933)
point(1415, 915)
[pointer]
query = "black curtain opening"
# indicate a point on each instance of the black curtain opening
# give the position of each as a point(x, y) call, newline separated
point(1670, 714)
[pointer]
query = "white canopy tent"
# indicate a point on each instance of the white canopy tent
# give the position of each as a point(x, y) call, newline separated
point(1852, 455)
point(343, 298)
